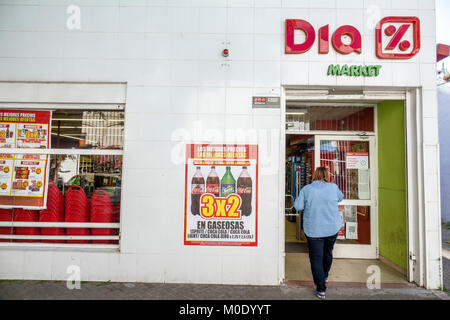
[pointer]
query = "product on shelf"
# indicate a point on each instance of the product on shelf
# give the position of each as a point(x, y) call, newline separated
point(300, 169)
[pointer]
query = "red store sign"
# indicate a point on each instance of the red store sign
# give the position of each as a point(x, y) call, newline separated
point(396, 38)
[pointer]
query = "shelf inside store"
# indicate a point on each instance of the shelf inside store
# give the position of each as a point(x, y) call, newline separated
point(118, 174)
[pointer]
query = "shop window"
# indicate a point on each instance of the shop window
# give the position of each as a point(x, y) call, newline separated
point(91, 129)
point(70, 193)
point(352, 178)
point(330, 118)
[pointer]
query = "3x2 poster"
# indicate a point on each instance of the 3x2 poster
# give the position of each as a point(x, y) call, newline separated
point(24, 177)
point(221, 195)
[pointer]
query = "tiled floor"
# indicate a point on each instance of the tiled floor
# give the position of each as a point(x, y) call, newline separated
point(290, 232)
point(342, 270)
point(50, 290)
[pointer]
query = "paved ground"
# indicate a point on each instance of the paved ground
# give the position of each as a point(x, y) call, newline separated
point(31, 290)
point(446, 257)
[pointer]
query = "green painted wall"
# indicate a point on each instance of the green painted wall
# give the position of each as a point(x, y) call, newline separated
point(392, 182)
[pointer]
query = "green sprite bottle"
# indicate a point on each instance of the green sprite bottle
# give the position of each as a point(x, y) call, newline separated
point(227, 184)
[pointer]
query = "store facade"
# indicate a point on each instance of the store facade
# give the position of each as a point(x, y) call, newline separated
point(179, 121)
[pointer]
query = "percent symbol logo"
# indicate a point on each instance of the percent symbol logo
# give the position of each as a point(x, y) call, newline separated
point(397, 37)
point(393, 37)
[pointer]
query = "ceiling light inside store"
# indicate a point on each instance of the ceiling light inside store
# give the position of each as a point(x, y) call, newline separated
point(96, 120)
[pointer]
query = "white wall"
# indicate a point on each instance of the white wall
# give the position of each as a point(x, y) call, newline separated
point(444, 146)
point(169, 53)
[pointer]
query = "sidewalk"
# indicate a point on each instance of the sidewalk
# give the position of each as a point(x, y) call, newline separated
point(446, 257)
point(31, 290)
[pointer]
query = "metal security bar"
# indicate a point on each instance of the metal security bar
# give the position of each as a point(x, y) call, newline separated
point(38, 237)
point(62, 151)
point(60, 224)
point(288, 209)
point(73, 225)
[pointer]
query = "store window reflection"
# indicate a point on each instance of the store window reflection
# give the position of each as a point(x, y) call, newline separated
point(356, 228)
point(87, 129)
point(84, 181)
point(348, 163)
point(329, 118)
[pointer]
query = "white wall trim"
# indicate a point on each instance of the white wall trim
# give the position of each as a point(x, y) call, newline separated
point(282, 188)
point(414, 200)
point(62, 92)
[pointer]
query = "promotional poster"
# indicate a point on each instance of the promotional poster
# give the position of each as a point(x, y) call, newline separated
point(23, 177)
point(221, 201)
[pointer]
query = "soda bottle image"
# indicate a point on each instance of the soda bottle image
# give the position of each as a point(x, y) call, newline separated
point(244, 190)
point(197, 189)
point(227, 184)
point(213, 182)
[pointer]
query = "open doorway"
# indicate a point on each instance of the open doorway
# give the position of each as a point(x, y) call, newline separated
point(341, 137)
point(299, 171)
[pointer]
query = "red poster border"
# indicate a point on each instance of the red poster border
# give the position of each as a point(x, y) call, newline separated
point(42, 117)
point(252, 148)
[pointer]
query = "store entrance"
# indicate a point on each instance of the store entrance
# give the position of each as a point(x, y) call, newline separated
point(351, 162)
point(343, 139)
point(362, 145)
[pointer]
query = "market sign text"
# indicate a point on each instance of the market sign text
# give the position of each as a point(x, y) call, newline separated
point(354, 71)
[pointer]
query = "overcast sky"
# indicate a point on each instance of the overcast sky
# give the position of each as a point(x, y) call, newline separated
point(443, 21)
point(443, 26)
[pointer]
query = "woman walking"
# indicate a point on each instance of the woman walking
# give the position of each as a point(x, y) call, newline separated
point(321, 223)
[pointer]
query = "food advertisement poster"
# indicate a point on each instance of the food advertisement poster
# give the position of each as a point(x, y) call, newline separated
point(24, 177)
point(221, 195)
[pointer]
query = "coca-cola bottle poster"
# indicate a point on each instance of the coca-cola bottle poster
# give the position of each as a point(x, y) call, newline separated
point(221, 195)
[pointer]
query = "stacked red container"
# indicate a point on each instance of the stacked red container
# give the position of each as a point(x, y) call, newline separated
point(102, 211)
point(77, 210)
point(53, 213)
point(26, 216)
point(116, 212)
point(6, 215)
point(116, 215)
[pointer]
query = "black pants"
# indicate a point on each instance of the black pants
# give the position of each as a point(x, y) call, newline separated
point(321, 258)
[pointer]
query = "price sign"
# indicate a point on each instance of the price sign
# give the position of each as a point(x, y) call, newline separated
point(223, 208)
point(221, 199)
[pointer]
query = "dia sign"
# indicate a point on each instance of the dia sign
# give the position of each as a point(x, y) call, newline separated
point(396, 38)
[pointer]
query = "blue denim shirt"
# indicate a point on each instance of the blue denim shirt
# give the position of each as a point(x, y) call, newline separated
point(321, 216)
